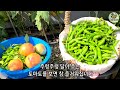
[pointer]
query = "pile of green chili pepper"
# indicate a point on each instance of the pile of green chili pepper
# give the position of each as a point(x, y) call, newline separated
point(91, 42)
point(11, 53)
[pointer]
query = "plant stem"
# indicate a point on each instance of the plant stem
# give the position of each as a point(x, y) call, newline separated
point(22, 24)
point(12, 23)
point(45, 34)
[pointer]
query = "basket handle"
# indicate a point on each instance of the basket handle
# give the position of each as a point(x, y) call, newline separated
point(67, 20)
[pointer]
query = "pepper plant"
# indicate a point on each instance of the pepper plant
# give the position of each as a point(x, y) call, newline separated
point(41, 20)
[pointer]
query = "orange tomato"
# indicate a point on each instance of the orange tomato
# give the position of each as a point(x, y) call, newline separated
point(26, 49)
point(40, 48)
point(32, 60)
point(15, 64)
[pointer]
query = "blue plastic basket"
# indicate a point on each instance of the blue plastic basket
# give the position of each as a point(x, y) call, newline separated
point(24, 73)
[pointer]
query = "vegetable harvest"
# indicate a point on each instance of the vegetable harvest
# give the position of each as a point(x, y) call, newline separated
point(21, 56)
point(91, 42)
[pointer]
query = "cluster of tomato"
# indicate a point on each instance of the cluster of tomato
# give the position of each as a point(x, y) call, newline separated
point(32, 56)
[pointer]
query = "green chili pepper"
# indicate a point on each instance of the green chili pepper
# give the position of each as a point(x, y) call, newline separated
point(90, 63)
point(95, 52)
point(85, 59)
point(82, 42)
point(68, 36)
point(84, 50)
point(104, 58)
point(110, 32)
point(91, 36)
point(71, 36)
point(75, 43)
point(73, 40)
point(11, 52)
point(106, 55)
point(1, 62)
point(71, 28)
point(91, 53)
point(101, 42)
point(80, 31)
point(105, 61)
point(71, 49)
point(4, 57)
point(105, 48)
point(87, 32)
point(107, 51)
point(93, 43)
point(99, 56)
point(116, 42)
point(96, 37)
point(79, 52)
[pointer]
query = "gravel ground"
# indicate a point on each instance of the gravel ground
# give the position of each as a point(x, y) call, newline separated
point(56, 56)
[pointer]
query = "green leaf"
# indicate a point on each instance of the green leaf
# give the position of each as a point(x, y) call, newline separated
point(2, 23)
point(38, 21)
point(44, 15)
point(1, 27)
point(60, 12)
point(33, 15)
point(14, 13)
point(26, 38)
point(41, 15)
point(4, 33)
point(39, 25)
point(3, 14)
point(2, 47)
